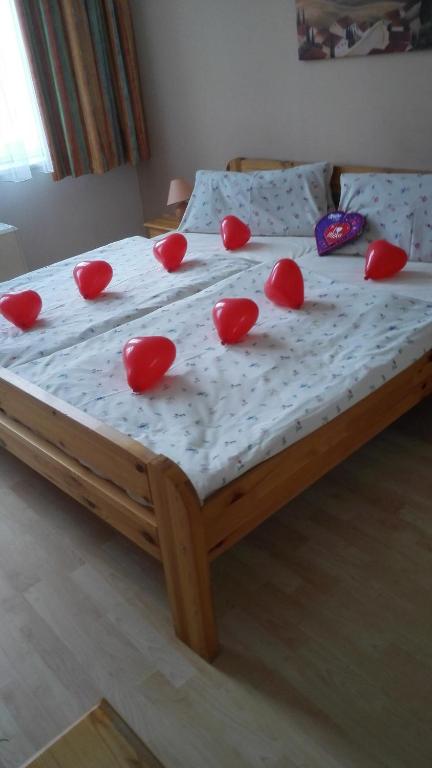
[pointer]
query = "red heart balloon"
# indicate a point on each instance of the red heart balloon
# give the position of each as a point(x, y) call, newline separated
point(171, 251)
point(383, 259)
point(92, 277)
point(147, 359)
point(233, 319)
point(235, 233)
point(285, 286)
point(22, 309)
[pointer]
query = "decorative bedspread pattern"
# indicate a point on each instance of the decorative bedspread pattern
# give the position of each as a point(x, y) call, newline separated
point(222, 410)
point(140, 285)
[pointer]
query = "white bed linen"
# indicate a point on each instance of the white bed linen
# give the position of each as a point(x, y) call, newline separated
point(222, 410)
point(139, 286)
point(415, 280)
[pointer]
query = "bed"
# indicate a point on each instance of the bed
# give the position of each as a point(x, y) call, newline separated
point(185, 512)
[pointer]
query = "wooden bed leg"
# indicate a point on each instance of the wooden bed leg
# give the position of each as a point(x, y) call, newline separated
point(184, 556)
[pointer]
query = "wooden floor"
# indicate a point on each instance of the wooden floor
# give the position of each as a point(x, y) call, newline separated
point(325, 615)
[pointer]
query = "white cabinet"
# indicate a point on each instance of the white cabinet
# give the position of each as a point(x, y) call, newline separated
point(12, 261)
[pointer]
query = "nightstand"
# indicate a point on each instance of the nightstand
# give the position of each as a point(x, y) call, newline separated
point(12, 262)
point(161, 225)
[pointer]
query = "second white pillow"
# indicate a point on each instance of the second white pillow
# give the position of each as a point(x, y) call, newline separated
point(397, 207)
point(288, 202)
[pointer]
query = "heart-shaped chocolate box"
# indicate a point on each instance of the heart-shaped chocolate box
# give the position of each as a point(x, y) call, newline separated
point(336, 229)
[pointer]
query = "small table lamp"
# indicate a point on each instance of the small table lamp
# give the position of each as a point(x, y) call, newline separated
point(179, 193)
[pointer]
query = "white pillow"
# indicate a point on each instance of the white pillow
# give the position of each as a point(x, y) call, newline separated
point(216, 194)
point(273, 203)
point(397, 207)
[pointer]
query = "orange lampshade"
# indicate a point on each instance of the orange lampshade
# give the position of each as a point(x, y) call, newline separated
point(179, 191)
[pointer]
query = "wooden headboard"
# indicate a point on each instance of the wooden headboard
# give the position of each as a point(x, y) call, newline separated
point(244, 164)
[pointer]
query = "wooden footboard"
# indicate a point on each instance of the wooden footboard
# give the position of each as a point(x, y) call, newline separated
point(100, 496)
point(108, 452)
point(102, 469)
point(106, 471)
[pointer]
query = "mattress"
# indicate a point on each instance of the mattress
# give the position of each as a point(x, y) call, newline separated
point(415, 280)
point(222, 410)
point(139, 286)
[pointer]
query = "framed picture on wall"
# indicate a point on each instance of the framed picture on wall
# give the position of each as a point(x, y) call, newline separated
point(329, 29)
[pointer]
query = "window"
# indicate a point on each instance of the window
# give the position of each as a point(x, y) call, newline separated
point(22, 139)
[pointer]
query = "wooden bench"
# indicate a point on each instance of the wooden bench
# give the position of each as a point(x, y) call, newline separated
point(101, 739)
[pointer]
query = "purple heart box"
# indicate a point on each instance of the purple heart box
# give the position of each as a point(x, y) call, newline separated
point(336, 229)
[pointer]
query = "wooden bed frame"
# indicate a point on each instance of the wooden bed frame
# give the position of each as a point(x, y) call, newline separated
point(60, 442)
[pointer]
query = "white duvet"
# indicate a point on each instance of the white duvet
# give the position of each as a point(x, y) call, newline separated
point(139, 286)
point(222, 410)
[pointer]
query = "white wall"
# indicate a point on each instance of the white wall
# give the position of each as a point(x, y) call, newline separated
point(64, 218)
point(222, 78)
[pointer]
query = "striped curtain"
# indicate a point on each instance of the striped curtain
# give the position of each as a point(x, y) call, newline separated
point(84, 65)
